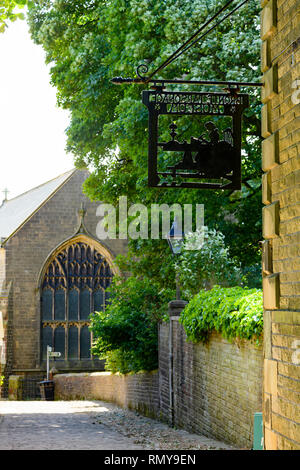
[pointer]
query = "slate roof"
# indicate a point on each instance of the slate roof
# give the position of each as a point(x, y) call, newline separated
point(15, 212)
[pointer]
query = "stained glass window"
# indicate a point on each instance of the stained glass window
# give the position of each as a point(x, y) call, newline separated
point(85, 343)
point(73, 342)
point(60, 305)
point(73, 304)
point(99, 300)
point(85, 304)
point(73, 287)
point(47, 301)
point(59, 340)
point(46, 340)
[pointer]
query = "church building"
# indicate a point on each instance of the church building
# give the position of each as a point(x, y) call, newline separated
point(54, 272)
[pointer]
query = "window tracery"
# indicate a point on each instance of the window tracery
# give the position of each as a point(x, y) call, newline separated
point(73, 286)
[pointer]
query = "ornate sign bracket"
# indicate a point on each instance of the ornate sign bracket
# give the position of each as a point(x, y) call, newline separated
point(209, 160)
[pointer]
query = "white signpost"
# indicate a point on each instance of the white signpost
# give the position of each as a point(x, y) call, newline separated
point(51, 353)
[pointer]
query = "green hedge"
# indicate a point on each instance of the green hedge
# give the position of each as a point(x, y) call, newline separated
point(125, 333)
point(235, 312)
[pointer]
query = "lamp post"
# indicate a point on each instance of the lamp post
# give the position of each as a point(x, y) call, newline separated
point(175, 240)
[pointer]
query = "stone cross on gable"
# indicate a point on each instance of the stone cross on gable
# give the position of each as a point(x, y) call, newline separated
point(5, 192)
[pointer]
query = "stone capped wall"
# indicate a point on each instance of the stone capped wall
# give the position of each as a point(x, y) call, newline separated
point(216, 388)
point(134, 391)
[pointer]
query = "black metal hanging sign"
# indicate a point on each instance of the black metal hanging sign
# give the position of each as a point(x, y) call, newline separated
point(212, 159)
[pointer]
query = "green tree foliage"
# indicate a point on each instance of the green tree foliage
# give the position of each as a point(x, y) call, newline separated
point(208, 263)
point(9, 11)
point(204, 261)
point(234, 312)
point(125, 334)
point(89, 42)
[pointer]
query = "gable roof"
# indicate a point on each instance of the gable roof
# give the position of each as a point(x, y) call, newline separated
point(15, 212)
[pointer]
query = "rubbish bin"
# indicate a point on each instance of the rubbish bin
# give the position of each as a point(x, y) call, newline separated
point(47, 390)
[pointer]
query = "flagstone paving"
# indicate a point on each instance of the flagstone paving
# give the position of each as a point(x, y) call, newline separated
point(89, 425)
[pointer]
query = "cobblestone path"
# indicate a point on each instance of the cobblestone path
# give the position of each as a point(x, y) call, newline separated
point(88, 425)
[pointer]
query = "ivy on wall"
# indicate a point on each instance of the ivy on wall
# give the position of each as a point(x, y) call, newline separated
point(235, 312)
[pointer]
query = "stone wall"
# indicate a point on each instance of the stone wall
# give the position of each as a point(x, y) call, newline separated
point(280, 33)
point(134, 391)
point(6, 308)
point(215, 388)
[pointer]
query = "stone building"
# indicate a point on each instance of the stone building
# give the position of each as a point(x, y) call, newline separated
point(53, 273)
point(280, 34)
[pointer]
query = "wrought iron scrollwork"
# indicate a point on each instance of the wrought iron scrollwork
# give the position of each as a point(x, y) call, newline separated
point(141, 70)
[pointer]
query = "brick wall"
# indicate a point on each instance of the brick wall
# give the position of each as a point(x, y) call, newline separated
point(134, 391)
point(280, 33)
point(217, 387)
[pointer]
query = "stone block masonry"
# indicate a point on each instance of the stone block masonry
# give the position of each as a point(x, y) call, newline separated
point(280, 64)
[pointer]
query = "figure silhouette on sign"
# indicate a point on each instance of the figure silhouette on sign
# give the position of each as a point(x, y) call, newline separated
point(211, 155)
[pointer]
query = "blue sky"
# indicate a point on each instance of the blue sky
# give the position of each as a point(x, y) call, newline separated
point(32, 138)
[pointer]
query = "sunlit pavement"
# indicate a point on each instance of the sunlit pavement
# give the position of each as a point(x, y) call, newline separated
point(57, 425)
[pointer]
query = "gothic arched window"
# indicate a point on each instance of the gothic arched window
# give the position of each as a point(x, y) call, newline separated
point(73, 286)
